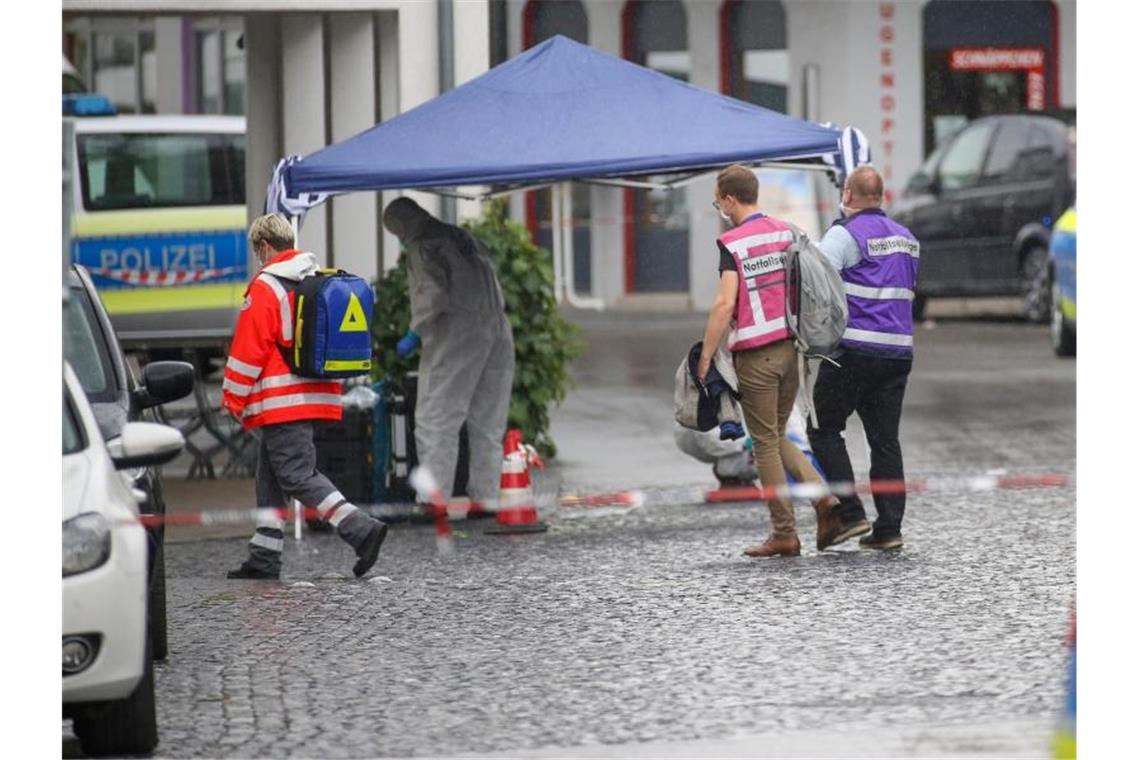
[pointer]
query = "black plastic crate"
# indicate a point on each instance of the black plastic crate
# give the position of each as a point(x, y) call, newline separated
point(344, 454)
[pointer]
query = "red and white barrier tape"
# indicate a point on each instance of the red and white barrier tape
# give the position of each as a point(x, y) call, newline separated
point(424, 483)
point(162, 279)
point(439, 507)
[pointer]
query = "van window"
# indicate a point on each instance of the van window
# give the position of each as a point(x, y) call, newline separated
point(126, 171)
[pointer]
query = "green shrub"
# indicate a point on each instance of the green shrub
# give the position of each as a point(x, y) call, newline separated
point(545, 343)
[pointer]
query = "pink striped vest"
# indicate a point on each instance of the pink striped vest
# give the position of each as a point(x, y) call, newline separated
point(757, 246)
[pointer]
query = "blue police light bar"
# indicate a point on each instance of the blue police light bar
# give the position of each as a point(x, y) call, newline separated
point(87, 105)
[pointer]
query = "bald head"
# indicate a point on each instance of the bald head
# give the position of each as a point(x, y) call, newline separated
point(863, 189)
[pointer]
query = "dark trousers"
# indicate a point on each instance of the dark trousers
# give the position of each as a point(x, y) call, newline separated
point(873, 388)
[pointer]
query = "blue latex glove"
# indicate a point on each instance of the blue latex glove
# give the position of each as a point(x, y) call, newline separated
point(407, 344)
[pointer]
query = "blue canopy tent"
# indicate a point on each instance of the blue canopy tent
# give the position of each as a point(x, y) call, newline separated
point(559, 111)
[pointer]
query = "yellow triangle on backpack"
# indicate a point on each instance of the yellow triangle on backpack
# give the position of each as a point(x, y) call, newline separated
point(354, 319)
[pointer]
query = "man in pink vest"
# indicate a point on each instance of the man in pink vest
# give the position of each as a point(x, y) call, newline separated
point(749, 306)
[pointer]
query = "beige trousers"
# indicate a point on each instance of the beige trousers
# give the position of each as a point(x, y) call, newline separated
point(769, 380)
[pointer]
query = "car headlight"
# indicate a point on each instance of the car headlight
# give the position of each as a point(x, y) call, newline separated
point(86, 543)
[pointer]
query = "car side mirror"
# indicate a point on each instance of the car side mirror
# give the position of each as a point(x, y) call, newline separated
point(163, 382)
point(145, 444)
point(922, 183)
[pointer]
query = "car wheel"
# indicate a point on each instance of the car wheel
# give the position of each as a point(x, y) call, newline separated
point(1061, 333)
point(1035, 282)
point(157, 601)
point(123, 727)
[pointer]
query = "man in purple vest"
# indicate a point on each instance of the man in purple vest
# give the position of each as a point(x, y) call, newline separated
point(878, 261)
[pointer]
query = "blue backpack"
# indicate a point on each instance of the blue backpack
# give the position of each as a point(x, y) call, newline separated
point(332, 326)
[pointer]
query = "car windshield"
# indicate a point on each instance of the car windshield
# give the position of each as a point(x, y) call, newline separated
point(146, 170)
point(72, 437)
point(85, 349)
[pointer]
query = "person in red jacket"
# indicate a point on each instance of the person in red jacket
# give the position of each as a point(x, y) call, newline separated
point(260, 391)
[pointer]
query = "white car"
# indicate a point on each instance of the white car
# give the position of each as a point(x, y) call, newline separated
point(108, 680)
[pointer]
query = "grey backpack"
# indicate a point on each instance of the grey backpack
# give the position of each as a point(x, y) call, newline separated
point(815, 307)
point(815, 302)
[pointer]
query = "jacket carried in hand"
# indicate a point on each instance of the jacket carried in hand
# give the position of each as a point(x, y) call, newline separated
point(258, 387)
point(704, 408)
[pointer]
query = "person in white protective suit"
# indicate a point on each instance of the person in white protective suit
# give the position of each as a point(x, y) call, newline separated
point(468, 361)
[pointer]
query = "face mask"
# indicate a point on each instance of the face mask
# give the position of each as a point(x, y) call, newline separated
point(846, 210)
point(726, 217)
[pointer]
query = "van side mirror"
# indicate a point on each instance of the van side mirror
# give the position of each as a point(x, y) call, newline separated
point(163, 382)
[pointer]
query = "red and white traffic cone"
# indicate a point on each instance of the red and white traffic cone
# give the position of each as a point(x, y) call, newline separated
point(517, 512)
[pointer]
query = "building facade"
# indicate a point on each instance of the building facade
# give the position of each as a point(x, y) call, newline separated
point(906, 72)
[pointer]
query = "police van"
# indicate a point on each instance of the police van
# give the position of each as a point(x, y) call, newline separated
point(158, 218)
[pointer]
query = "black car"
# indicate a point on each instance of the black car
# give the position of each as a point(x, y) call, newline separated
point(116, 397)
point(983, 204)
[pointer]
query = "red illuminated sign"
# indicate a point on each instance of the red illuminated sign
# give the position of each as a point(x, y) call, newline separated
point(1029, 60)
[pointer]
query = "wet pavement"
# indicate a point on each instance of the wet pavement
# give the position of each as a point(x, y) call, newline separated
point(644, 632)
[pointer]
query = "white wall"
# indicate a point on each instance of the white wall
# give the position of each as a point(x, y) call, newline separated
point(352, 108)
point(303, 109)
point(607, 234)
point(168, 51)
point(704, 222)
point(262, 106)
point(845, 40)
point(471, 19)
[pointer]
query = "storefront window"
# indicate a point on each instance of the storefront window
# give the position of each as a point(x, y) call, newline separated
point(656, 35)
point(984, 57)
point(234, 74)
point(149, 71)
point(208, 45)
point(541, 21)
point(757, 61)
point(115, 69)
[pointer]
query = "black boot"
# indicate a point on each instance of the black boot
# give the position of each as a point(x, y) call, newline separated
point(369, 550)
point(246, 572)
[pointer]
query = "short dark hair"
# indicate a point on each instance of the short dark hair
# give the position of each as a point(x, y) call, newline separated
point(739, 182)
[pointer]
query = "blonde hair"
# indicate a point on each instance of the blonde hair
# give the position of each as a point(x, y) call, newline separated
point(273, 229)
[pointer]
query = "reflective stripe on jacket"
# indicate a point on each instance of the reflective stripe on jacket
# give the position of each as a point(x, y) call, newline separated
point(757, 247)
point(258, 386)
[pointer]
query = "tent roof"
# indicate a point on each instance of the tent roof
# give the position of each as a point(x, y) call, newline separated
point(559, 111)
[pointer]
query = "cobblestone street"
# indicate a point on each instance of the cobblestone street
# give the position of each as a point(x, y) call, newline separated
point(644, 632)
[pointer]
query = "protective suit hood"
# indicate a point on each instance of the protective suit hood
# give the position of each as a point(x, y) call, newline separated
point(405, 219)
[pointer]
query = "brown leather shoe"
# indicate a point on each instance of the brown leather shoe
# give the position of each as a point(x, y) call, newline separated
point(776, 546)
point(831, 530)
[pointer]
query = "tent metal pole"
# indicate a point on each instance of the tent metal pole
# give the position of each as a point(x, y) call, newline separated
point(802, 167)
point(294, 222)
point(568, 252)
point(634, 184)
point(556, 239)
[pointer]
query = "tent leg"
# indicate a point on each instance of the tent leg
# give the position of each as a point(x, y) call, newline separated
point(567, 231)
point(556, 238)
point(293, 222)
